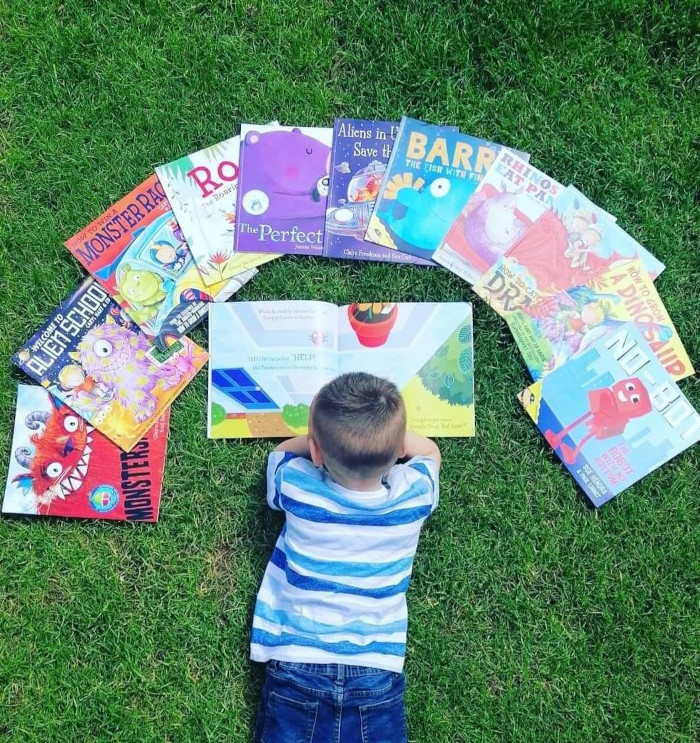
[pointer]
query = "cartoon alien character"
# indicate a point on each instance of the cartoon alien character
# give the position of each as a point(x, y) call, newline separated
point(492, 223)
point(610, 410)
point(143, 290)
point(57, 461)
point(425, 220)
point(118, 358)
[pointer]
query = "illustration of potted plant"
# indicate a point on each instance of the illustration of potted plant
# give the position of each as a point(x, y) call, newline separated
point(372, 321)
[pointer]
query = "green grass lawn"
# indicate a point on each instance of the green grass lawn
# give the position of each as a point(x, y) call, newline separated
point(532, 617)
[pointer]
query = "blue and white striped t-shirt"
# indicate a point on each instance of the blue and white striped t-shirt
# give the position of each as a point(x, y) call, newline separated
point(334, 590)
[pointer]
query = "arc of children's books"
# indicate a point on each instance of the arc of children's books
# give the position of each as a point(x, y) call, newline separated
point(566, 277)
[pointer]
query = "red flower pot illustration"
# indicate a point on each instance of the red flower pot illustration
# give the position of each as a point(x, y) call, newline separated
point(372, 321)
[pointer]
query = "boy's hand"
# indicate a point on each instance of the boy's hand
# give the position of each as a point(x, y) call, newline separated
point(420, 446)
point(299, 445)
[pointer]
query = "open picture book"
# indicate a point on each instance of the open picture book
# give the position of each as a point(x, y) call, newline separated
point(269, 359)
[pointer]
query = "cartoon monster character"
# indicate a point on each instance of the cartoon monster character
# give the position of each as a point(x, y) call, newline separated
point(142, 289)
point(492, 223)
point(119, 358)
point(426, 215)
point(610, 410)
point(291, 168)
point(57, 461)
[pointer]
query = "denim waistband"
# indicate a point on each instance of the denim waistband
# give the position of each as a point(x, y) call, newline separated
point(332, 670)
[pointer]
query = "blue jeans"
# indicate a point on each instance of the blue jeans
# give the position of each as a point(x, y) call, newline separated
point(312, 703)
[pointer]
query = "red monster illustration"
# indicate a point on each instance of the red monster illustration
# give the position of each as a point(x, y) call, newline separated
point(611, 409)
point(58, 461)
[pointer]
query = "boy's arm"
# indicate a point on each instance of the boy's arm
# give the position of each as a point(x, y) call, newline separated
point(420, 446)
point(299, 445)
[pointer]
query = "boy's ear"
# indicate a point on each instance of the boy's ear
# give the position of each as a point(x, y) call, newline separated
point(316, 453)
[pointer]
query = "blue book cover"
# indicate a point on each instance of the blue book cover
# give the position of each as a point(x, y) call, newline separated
point(359, 156)
point(432, 172)
point(612, 414)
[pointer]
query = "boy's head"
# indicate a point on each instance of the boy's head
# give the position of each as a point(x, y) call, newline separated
point(357, 426)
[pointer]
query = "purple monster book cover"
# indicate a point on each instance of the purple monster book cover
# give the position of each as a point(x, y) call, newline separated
point(91, 356)
point(282, 189)
point(359, 157)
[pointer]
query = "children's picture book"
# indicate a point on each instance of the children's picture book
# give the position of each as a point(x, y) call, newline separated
point(269, 359)
point(509, 198)
point(201, 188)
point(432, 172)
point(283, 189)
point(359, 156)
point(612, 414)
point(557, 327)
point(90, 355)
point(569, 245)
point(137, 251)
point(62, 466)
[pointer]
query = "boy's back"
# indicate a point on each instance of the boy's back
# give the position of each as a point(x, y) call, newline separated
point(335, 588)
point(330, 619)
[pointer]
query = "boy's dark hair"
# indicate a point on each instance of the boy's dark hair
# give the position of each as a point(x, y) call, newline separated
point(359, 421)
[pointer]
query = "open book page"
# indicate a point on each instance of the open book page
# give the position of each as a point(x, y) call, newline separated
point(426, 349)
point(268, 360)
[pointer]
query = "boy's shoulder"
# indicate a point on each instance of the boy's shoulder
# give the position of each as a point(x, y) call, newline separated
point(417, 468)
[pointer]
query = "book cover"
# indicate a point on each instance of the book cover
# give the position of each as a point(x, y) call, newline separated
point(568, 245)
point(510, 197)
point(269, 359)
point(612, 414)
point(91, 356)
point(283, 189)
point(201, 188)
point(137, 251)
point(359, 156)
point(555, 328)
point(432, 172)
point(62, 466)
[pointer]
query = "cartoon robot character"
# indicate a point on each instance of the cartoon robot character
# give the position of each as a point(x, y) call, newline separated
point(610, 410)
point(57, 461)
point(118, 359)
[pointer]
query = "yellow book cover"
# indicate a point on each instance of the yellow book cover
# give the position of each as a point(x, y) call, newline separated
point(550, 330)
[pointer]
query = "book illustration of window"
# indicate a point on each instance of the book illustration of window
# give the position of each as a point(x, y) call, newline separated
point(241, 387)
